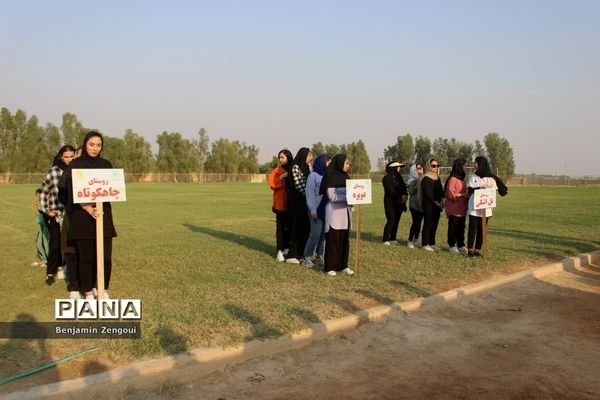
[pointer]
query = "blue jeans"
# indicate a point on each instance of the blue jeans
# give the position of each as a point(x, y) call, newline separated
point(316, 238)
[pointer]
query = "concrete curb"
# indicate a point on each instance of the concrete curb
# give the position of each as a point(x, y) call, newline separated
point(203, 361)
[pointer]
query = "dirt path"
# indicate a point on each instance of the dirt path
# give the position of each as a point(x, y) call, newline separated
point(532, 339)
point(535, 339)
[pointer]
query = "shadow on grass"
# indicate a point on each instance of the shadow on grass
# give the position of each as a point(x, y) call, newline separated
point(27, 340)
point(412, 289)
point(579, 245)
point(308, 316)
point(171, 342)
point(260, 330)
point(233, 237)
point(345, 304)
point(375, 296)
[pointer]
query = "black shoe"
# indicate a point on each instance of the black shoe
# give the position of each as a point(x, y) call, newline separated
point(50, 280)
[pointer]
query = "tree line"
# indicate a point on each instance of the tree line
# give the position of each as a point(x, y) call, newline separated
point(27, 146)
point(419, 149)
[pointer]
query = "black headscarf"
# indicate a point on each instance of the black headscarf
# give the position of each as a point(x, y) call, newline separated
point(483, 168)
point(335, 175)
point(87, 161)
point(58, 162)
point(300, 160)
point(290, 158)
point(457, 172)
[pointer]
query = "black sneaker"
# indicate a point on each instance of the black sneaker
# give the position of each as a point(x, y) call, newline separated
point(50, 280)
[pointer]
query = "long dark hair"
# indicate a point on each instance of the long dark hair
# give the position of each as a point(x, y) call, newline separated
point(290, 158)
point(58, 162)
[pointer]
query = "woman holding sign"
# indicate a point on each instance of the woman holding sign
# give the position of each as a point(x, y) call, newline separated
point(338, 216)
point(482, 178)
point(83, 217)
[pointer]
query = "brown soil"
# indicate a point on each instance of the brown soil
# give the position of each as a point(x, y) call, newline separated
point(532, 339)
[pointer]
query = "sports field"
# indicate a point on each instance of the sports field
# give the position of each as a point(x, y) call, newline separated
point(201, 259)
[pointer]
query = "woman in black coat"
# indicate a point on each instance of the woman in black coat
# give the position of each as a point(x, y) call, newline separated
point(82, 231)
point(394, 200)
point(432, 198)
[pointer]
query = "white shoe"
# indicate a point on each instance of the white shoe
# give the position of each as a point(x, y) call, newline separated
point(387, 243)
point(308, 262)
point(347, 271)
point(428, 248)
point(319, 260)
point(393, 241)
point(280, 257)
point(331, 273)
point(463, 250)
point(292, 261)
point(454, 250)
point(410, 245)
point(60, 274)
point(74, 295)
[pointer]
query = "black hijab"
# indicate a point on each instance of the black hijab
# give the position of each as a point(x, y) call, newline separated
point(87, 161)
point(457, 172)
point(300, 160)
point(483, 168)
point(335, 175)
point(58, 162)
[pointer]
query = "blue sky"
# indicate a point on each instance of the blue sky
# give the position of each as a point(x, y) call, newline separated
point(290, 73)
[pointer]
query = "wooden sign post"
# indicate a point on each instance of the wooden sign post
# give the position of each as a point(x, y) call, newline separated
point(484, 199)
point(358, 191)
point(99, 186)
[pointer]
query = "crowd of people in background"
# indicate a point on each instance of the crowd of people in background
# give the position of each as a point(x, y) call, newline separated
point(66, 242)
point(313, 218)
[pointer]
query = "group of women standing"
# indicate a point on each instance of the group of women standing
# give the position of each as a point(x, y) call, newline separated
point(75, 238)
point(312, 216)
point(428, 197)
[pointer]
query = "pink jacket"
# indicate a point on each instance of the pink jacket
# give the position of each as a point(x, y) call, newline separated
point(456, 198)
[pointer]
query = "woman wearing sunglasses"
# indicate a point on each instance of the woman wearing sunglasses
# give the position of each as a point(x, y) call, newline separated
point(432, 199)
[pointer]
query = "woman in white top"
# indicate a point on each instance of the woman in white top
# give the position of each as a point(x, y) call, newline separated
point(482, 178)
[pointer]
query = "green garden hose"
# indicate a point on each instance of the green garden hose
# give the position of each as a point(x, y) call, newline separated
point(46, 366)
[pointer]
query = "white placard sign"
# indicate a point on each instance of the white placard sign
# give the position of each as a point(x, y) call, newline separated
point(358, 191)
point(93, 185)
point(484, 198)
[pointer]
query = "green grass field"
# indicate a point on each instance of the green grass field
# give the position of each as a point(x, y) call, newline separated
point(201, 259)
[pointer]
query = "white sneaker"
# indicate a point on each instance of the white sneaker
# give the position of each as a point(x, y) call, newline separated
point(454, 250)
point(331, 273)
point(319, 260)
point(308, 262)
point(74, 295)
point(292, 261)
point(347, 271)
point(387, 243)
point(410, 245)
point(393, 241)
point(60, 274)
point(280, 257)
point(428, 248)
point(463, 250)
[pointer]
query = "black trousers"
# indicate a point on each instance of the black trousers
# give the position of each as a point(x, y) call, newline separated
point(456, 230)
point(393, 212)
point(55, 256)
point(475, 235)
point(299, 230)
point(86, 263)
point(337, 249)
point(282, 233)
point(415, 227)
point(431, 218)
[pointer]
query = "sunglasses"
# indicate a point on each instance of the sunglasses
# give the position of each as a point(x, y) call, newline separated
point(433, 165)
